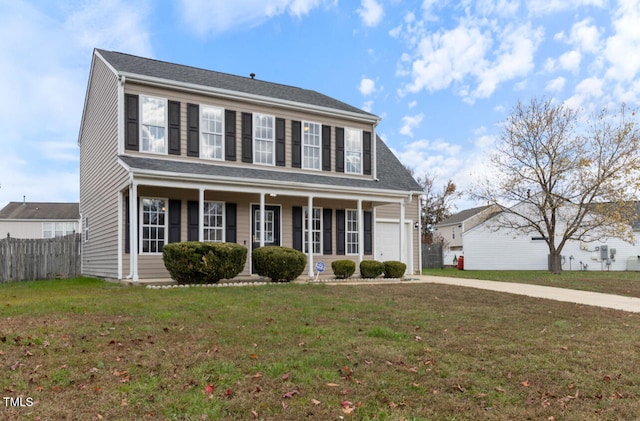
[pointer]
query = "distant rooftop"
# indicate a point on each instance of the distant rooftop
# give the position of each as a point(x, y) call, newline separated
point(41, 210)
point(462, 216)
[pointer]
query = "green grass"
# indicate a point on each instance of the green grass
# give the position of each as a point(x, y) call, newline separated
point(620, 283)
point(87, 349)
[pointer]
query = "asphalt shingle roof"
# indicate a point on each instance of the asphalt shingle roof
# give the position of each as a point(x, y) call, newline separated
point(40, 210)
point(127, 63)
point(392, 175)
point(462, 216)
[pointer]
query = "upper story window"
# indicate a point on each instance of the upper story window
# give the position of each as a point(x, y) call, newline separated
point(263, 139)
point(211, 130)
point(153, 112)
point(311, 144)
point(453, 233)
point(353, 151)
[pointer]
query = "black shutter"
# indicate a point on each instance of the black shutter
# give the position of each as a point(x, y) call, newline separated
point(327, 231)
point(339, 149)
point(247, 137)
point(193, 214)
point(230, 135)
point(296, 144)
point(366, 153)
point(368, 237)
point(280, 142)
point(297, 228)
point(174, 127)
point(193, 130)
point(175, 217)
point(231, 225)
point(127, 226)
point(132, 131)
point(340, 231)
point(326, 148)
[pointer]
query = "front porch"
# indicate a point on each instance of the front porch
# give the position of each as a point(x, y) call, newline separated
point(341, 226)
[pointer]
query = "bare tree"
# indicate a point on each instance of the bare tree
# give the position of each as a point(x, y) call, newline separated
point(571, 179)
point(436, 205)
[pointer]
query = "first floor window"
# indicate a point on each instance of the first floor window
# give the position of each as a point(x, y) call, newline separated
point(213, 221)
point(152, 124)
point(154, 220)
point(263, 139)
point(57, 229)
point(352, 232)
point(269, 226)
point(316, 230)
point(353, 151)
point(212, 119)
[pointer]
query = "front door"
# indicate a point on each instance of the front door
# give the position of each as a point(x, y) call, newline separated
point(271, 227)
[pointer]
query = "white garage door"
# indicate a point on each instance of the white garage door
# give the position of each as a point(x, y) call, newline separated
point(387, 241)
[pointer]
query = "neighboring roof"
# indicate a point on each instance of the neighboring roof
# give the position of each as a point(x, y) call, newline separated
point(126, 63)
point(392, 175)
point(40, 211)
point(462, 216)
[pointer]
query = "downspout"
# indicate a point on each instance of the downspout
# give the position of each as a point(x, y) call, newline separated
point(374, 153)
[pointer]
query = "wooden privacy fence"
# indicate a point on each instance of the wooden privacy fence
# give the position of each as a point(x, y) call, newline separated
point(31, 259)
point(432, 256)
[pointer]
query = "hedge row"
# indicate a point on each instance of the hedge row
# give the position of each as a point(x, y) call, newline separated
point(196, 262)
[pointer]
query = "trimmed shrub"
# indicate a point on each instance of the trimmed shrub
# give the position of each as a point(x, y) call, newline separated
point(194, 262)
point(394, 269)
point(280, 264)
point(371, 268)
point(343, 268)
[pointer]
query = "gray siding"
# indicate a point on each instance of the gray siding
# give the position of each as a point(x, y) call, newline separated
point(100, 174)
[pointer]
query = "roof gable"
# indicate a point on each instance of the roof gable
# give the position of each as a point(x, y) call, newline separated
point(462, 216)
point(40, 211)
point(171, 72)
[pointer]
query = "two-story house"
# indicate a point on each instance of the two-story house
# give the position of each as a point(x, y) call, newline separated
point(39, 219)
point(175, 153)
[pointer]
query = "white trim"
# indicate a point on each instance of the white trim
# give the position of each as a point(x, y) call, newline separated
point(121, 115)
point(133, 230)
point(272, 140)
point(256, 99)
point(201, 132)
point(120, 227)
point(201, 214)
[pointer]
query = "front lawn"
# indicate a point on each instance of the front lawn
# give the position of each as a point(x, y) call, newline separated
point(87, 349)
point(620, 283)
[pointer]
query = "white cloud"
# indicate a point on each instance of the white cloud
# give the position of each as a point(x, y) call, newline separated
point(570, 61)
point(412, 104)
point(367, 86)
point(368, 106)
point(545, 7)
point(371, 12)
point(586, 36)
point(409, 123)
point(621, 48)
point(204, 17)
point(556, 85)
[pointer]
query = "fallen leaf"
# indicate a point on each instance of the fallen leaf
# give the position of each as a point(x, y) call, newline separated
point(417, 338)
point(258, 375)
point(315, 402)
point(525, 383)
point(253, 356)
point(209, 388)
point(285, 376)
point(289, 395)
point(254, 414)
point(499, 389)
point(333, 385)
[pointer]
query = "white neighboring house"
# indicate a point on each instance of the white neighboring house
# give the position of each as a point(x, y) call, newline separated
point(39, 219)
point(488, 248)
point(452, 229)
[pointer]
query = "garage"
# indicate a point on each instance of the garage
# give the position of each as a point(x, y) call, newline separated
point(387, 242)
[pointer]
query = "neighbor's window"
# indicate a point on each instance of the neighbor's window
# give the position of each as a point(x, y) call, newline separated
point(212, 119)
point(352, 231)
point(153, 123)
point(311, 144)
point(213, 221)
point(154, 225)
point(453, 233)
point(316, 230)
point(353, 151)
point(57, 229)
point(263, 139)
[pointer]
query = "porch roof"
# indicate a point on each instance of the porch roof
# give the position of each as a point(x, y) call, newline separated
point(392, 175)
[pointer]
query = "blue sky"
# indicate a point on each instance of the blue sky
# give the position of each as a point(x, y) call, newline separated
point(442, 75)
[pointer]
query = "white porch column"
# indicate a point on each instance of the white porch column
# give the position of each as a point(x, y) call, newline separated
point(402, 233)
point(201, 215)
point(120, 242)
point(309, 235)
point(360, 234)
point(262, 224)
point(133, 230)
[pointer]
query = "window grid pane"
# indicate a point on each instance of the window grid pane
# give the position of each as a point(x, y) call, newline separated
point(352, 232)
point(269, 226)
point(213, 221)
point(311, 144)
point(263, 139)
point(212, 132)
point(153, 226)
point(153, 125)
point(316, 230)
point(353, 151)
